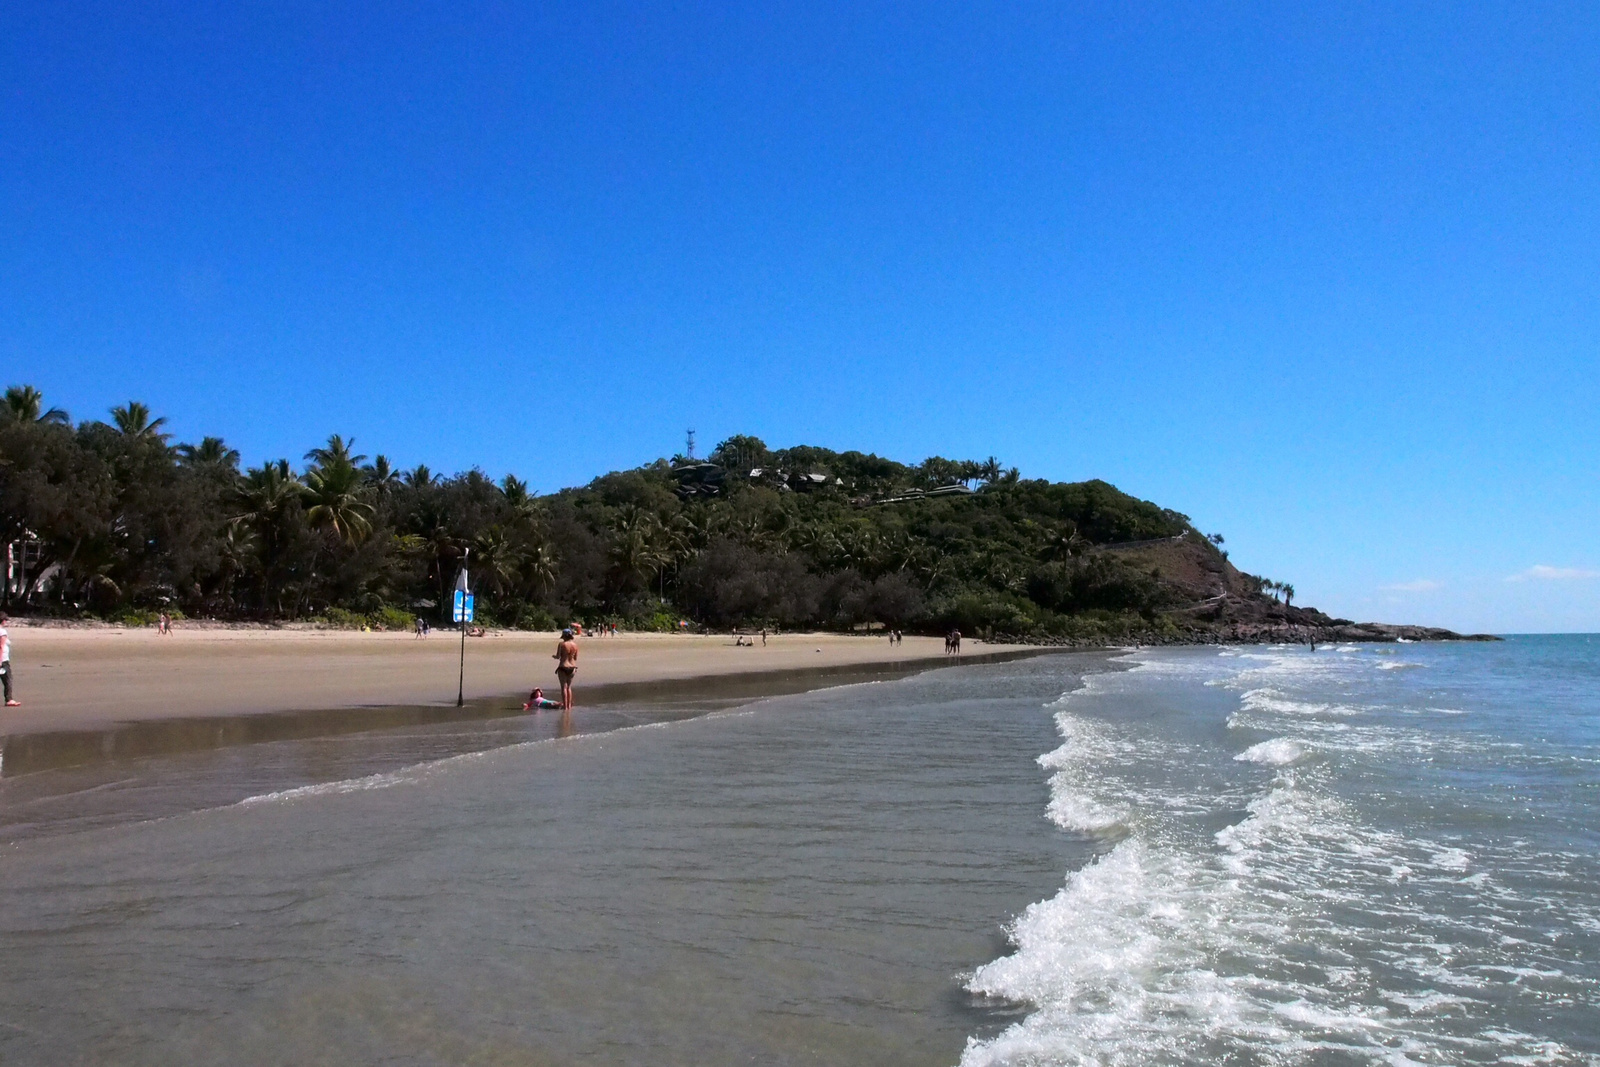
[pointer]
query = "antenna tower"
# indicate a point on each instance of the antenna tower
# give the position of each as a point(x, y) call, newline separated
point(691, 444)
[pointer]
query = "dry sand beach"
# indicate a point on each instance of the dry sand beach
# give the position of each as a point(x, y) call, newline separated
point(72, 678)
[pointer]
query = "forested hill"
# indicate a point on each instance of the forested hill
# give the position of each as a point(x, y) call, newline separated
point(112, 520)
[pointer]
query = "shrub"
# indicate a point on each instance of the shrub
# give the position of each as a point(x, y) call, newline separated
point(343, 619)
point(389, 617)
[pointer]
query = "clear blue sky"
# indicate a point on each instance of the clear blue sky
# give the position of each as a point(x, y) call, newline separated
point(1325, 277)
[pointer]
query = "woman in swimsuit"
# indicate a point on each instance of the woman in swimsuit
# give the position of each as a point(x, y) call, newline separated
point(566, 658)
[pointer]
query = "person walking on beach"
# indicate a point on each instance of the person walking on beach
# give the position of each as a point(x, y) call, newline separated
point(566, 658)
point(5, 661)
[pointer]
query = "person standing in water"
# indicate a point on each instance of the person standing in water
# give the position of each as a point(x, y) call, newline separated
point(566, 658)
point(5, 661)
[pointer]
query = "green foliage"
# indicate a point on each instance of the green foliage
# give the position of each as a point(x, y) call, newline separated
point(337, 618)
point(791, 537)
point(389, 617)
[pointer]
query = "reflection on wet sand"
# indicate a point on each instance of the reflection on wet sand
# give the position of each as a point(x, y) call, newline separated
point(32, 752)
point(66, 780)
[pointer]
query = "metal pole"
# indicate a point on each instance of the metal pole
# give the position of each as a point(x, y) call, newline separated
point(461, 681)
point(461, 584)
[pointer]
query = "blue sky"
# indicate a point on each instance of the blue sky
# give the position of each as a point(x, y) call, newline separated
point(1324, 277)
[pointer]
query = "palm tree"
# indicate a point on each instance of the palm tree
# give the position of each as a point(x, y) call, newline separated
point(337, 450)
point(382, 478)
point(515, 490)
point(239, 545)
point(498, 559)
point(334, 493)
point(1064, 545)
point(420, 478)
point(210, 452)
point(24, 403)
point(267, 491)
point(815, 540)
point(539, 568)
point(1288, 593)
point(634, 554)
point(133, 421)
point(989, 471)
point(264, 498)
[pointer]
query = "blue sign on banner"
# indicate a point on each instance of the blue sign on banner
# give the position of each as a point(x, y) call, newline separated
point(462, 611)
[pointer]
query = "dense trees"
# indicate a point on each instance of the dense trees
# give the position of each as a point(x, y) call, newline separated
point(117, 520)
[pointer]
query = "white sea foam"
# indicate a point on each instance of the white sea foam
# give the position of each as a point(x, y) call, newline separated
point(322, 789)
point(1278, 752)
point(1304, 932)
point(1073, 806)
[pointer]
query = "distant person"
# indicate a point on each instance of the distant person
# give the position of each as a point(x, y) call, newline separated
point(566, 658)
point(955, 640)
point(5, 661)
point(763, 637)
point(426, 628)
point(416, 624)
point(163, 624)
point(537, 700)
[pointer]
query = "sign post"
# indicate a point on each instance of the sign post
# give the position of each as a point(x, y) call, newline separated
point(462, 612)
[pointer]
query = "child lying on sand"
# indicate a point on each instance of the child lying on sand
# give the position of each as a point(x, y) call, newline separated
point(536, 700)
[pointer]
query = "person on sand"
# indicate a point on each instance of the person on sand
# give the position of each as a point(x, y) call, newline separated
point(537, 701)
point(566, 658)
point(5, 661)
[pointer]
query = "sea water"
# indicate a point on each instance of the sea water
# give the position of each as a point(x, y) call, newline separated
point(802, 880)
point(1362, 854)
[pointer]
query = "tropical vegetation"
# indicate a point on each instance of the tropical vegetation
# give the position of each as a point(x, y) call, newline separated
point(111, 519)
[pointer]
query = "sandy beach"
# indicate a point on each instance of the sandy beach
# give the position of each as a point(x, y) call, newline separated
point(72, 678)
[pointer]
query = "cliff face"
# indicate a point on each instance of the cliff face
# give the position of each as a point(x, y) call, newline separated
point(1215, 601)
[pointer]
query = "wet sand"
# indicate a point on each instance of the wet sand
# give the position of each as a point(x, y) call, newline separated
point(91, 678)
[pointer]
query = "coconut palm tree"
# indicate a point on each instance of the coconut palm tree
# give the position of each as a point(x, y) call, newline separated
point(420, 478)
point(497, 561)
point(989, 471)
point(24, 403)
point(335, 498)
point(133, 420)
point(539, 568)
point(515, 490)
point(237, 548)
point(210, 452)
point(264, 499)
point(1288, 593)
point(1064, 544)
point(335, 507)
point(337, 450)
point(266, 493)
point(380, 476)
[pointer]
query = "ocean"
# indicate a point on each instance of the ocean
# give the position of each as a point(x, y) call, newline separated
point(1249, 855)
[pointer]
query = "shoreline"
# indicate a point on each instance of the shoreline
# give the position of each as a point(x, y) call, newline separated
point(41, 750)
point(100, 679)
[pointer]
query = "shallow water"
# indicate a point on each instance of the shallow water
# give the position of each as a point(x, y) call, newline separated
point(1247, 856)
point(801, 881)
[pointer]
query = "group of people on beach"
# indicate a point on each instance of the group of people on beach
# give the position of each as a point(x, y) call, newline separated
point(952, 643)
